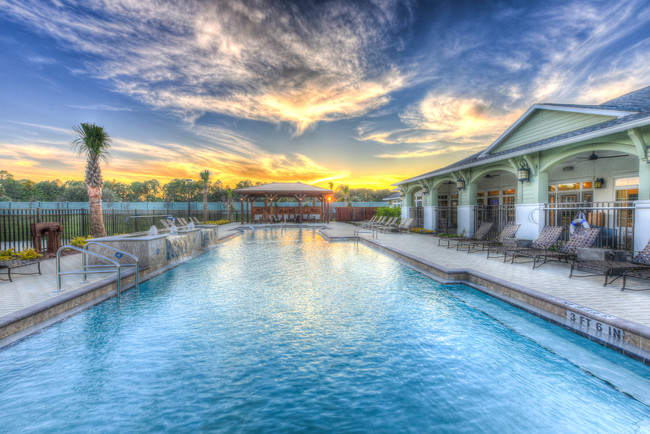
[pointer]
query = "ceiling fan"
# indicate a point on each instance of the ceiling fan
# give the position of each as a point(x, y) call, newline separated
point(488, 176)
point(594, 157)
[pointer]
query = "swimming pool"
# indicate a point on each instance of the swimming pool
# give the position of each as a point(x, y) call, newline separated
point(279, 330)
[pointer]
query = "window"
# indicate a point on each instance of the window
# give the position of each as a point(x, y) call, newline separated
point(626, 182)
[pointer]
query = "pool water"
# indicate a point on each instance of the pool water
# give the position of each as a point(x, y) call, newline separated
point(279, 330)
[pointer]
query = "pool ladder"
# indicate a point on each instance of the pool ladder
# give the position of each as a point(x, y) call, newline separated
point(114, 265)
point(359, 230)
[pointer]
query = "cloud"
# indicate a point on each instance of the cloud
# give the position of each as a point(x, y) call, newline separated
point(300, 62)
point(438, 123)
point(106, 107)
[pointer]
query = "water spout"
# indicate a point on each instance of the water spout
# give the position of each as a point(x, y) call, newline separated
point(173, 230)
point(191, 225)
point(153, 230)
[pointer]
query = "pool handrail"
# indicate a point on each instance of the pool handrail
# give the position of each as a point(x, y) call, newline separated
point(122, 252)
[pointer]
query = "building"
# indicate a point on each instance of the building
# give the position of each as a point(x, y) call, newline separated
point(394, 199)
point(556, 163)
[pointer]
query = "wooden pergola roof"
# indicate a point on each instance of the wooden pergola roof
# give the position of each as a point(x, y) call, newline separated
point(287, 189)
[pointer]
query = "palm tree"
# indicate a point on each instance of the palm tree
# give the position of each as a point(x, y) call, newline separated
point(93, 142)
point(205, 182)
point(229, 194)
point(345, 191)
point(331, 184)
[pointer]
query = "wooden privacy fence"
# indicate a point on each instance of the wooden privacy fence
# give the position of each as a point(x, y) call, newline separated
point(15, 223)
point(347, 214)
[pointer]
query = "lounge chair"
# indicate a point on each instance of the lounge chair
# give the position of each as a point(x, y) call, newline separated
point(508, 232)
point(405, 226)
point(614, 269)
point(388, 223)
point(546, 239)
point(195, 221)
point(579, 239)
point(643, 274)
point(394, 226)
point(480, 235)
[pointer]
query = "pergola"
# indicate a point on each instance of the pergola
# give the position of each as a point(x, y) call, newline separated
point(270, 193)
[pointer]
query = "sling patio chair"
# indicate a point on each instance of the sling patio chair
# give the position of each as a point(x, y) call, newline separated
point(612, 270)
point(405, 226)
point(480, 235)
point(195, 221)
point(508, 232)
point(546, 239)
point(568, 251)
point(370, 222)
point(388, 223)
point(391, 226)
point(639, 273)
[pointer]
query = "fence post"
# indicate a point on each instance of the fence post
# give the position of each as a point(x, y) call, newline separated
point(136, 220)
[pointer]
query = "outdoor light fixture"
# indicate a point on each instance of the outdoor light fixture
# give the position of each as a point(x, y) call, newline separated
point(598, 183)
point(425, 190)
point(460, 184)
point(401, 193)
point(523, 174)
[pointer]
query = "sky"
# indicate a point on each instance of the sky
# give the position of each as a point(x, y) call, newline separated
point(364, 93)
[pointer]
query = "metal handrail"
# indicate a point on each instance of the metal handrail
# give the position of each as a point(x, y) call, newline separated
point(117, 266)
point(121, 252)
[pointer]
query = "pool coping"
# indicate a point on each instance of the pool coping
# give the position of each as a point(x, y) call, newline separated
point(22, 323)
point(634, 338)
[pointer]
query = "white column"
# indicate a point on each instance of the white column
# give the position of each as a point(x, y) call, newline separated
point(405, 213)
point(641, 226)
point(531, 218)
point(466, 220)
point(429, 217)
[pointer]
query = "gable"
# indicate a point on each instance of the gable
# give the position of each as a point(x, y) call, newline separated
point(543, 124)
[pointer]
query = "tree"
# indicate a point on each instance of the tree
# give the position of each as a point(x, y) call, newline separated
point(205, 182)
point(229, 197)
point(345, 191)
point(93, 143)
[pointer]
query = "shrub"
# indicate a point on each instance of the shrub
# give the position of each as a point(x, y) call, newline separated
point(385, 211)
point(9, 254)
point(422, 231)
point(80, 241)
point(217, 222)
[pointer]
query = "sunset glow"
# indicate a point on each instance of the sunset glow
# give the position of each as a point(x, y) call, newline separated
point(352, 93)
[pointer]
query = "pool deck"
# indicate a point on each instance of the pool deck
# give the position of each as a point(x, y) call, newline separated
point(549, 283)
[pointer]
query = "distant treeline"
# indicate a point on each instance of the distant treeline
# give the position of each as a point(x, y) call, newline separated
point(177, 190)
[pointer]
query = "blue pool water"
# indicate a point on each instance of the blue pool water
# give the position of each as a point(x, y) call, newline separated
point(281, 331)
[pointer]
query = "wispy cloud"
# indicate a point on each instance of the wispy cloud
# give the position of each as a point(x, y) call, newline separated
point(106, 107)
point(277, 62)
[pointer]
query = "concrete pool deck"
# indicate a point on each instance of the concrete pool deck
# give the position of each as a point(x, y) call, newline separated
point(547, 288)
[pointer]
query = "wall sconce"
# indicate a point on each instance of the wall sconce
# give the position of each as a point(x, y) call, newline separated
point(523, 174)
point(598, 183)
point(460, 184)
point(401, 193)
point(425, 190)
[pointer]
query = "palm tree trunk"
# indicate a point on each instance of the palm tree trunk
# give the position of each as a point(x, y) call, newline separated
point(205, 203)
point(97, 229)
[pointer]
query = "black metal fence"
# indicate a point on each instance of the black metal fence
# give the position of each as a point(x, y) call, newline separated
point(615, 220)
point(499, 215)
point(15, 224)
point(417, 213)
point(446, 219)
